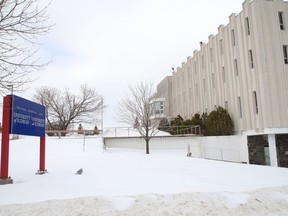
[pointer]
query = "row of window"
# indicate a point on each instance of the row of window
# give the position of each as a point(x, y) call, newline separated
point(240, 113)
point(247, 26)
point(248, 32)
point(236, 69)
point(251, 64)
point(255, 104)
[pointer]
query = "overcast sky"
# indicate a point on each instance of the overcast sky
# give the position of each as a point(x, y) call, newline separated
point(111, 44)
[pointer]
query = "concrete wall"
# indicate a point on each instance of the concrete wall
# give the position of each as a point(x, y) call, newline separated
point(225, 148)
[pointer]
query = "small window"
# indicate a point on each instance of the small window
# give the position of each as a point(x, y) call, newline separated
point(251, 62)
point(213, 80)
point(236, 67)
point(239, 107)
point(221, 47)
point(233, 37)
point(285, 53)
point(281, 20)
point(247, 26)
point(204, 85)
point(211, 55)
point(226, 105)
point(203, 61)
point(223, 74)
point(255, 102)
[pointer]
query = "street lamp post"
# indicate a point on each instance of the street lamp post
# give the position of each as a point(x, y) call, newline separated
point(10, 86)
point(102, 105)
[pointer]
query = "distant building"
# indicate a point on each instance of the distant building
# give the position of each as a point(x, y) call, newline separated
point(243, 68)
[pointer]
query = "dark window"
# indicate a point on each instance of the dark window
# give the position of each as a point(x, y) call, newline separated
point(255, 102)
point(285, 53)
point(236, 67)
point(247, 26)
point(251, 59)
point(281, 20)
point(233, 37)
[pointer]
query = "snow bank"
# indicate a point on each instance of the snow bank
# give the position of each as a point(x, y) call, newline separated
point(260, 202)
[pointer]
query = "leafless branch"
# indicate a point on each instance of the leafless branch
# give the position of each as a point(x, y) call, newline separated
point(64, 108)
point(21, 22)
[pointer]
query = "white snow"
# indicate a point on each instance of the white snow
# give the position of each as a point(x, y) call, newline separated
point(123, 182)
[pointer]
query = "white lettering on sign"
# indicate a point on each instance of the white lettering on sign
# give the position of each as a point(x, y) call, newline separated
point(21, 116)
point(28, 120)
point(38, 122)
point(21, 121)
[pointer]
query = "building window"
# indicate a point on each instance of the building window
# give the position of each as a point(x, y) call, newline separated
point(195, 67)
point(223, 74)
point(236, 67)
point(204, 85)
point(281, 20)
point(211, 55)
point(251, 62)
point(239, 107)
point(226, 105)
point(197, 89)
point(255, 102)
point(158, 107)
point(233, 37)
point(203, 61)
point(213, 80)
point(221, 47)
point(247, 26)
point(285, 53)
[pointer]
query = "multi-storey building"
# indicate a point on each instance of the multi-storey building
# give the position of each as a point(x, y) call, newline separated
point(243, 68)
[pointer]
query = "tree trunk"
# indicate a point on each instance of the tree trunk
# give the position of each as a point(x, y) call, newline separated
point(147, 146)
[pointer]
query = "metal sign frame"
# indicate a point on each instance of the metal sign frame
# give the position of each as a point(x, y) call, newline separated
point(8, 126)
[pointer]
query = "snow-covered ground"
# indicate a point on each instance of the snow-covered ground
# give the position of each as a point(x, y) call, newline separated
point(121, 182)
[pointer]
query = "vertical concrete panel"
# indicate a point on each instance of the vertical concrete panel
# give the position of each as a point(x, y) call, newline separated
point(272, 150)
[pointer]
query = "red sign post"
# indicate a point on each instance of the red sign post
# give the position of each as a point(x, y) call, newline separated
point(28, 119)
point(6, 123)
point(42, 156)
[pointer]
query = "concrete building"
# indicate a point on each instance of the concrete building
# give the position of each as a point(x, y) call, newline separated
point(243, 68)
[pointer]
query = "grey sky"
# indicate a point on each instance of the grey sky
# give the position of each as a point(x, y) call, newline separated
point(110, 44)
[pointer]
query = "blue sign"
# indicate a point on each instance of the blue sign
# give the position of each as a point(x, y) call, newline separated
point(27, 117)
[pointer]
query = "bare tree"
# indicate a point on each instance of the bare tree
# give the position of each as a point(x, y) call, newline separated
point(21, 22)
point(135, 109)
point(64, 108)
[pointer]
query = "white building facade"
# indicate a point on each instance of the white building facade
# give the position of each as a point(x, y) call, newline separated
point(243, 68)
